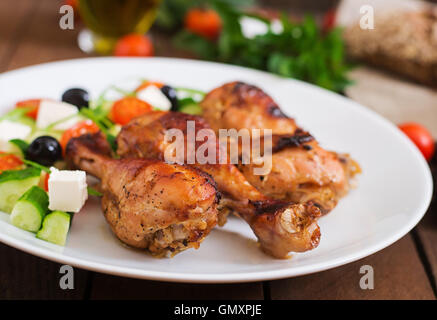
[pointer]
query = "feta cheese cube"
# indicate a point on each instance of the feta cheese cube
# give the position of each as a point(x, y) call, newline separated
point(53, 111)
point(252, 27)
point(12, 130)
point(155, 97)
point(67, 190)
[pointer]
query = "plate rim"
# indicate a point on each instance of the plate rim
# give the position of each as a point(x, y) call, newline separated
point(228, 277)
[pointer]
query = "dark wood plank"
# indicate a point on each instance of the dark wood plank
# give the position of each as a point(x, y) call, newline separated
point(44, 40)
point(23, 276)
point(398, 274)
point(13, 24)
point(427, 231)
point(110, 287)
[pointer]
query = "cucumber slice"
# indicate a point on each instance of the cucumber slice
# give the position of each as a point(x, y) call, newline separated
point(14, 183)
point(20, 145)
point(55, 228)
point(30, 209)
point(27, 121)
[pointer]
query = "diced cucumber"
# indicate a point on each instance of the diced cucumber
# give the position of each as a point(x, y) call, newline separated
point(30, 209)
point(55, 228)
point(193, 109)
point(14, 183)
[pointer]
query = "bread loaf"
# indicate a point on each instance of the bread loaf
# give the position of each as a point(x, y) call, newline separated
point(404, 42)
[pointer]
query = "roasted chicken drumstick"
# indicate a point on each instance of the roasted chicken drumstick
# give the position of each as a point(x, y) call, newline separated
point(301, 171)
point(149, 204)
point(280, 226)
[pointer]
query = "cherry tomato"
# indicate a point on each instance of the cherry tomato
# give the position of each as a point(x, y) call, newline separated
point(145, 84)
point(77, 130)
point(329, 20)
point(30, 103)
point(124, 110)
point(9, 162)
point(204, 22)
point(421, 137)
point(134, 45)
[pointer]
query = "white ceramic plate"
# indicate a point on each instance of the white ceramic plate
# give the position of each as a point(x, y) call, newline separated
point(393, 192)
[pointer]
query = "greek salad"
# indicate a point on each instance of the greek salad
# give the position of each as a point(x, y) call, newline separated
point(36, 189)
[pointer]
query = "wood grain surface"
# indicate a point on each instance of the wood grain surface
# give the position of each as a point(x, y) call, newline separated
point(29, 34)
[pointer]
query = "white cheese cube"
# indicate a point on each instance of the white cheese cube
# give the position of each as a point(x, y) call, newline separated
point(155, 97)
point(53, 111)
point(67, 190)
point(252, 27)
point(12, 130)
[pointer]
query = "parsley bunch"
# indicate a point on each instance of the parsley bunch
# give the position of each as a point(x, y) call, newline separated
point(301, 50)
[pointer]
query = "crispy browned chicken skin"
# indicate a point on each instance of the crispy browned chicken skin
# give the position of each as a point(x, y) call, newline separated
point(149, 204)
point(301, 171)
point(280, 226)
point(241, 106)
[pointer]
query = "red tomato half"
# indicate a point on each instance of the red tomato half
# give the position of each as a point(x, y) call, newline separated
point(421, 137)
point(9, 162)
point(33, 104)
point(124, 110)
point(77, 130)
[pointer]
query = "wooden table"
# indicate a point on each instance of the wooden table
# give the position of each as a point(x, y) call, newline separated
point(29, 34)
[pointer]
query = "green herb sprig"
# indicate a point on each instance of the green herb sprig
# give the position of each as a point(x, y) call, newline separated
point(102, 122)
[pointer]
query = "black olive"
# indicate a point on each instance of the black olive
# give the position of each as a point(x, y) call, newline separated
point(44, 150)
point(171, 95)
point(76, 96)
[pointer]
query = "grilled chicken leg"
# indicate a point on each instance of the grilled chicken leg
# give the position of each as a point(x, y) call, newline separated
point(302, 171)
point(280, 226)
point(149, 204)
